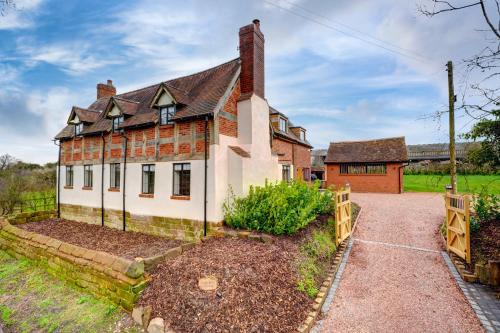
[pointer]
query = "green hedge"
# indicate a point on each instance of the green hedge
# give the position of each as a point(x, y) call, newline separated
point(279, 208)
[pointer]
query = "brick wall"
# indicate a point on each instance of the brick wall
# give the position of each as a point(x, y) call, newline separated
point(289, 153)
point(284, 149)
point(388, 183)
point(185, 140)
point(252, 60)
point(228, 117)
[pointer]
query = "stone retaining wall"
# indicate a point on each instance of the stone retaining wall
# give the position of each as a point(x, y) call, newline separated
point(102, 274)
point(182, 229)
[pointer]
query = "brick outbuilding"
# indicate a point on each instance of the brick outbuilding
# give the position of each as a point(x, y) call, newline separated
point(367, 166)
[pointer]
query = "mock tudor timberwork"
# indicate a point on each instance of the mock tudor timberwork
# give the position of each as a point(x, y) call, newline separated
point(151, 143)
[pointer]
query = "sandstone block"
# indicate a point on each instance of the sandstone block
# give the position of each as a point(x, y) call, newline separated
point(156, 325)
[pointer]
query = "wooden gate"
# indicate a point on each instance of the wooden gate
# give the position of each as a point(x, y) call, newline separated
point(458, 224)
point(343, 223)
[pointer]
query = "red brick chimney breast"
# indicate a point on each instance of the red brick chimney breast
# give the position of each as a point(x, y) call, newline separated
point(252, 60)
point(106, 89)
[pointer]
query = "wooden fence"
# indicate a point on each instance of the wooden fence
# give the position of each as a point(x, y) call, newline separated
point(458, 225)
point(343, 216)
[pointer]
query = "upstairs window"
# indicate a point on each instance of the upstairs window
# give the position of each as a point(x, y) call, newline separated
point(148, 178)
point(78, 128)
point(283, 124)
point(117, 121)
point(363, 169)
point(182, 179)
point(87, 176)
point(166, 114)
point(302, 135)
point(69, 175)
point(114, 175)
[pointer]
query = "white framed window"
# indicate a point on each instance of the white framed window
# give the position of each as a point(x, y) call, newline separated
point(117, 121)
point(87, 175)
point(78, 128)
point(283, 124)
point(167, 113)
point(148, 178)
point(114, 175)
point(285, 173)
point(302, 135)
point(182, 179)
point(69, 175)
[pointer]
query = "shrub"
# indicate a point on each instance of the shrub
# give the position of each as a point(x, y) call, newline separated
point(486, 207)
point(279, 208)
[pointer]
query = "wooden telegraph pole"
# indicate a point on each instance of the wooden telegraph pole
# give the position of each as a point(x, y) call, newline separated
point(451, 97)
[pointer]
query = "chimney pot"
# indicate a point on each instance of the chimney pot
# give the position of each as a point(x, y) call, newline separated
point(256, 22)
point(110, 82)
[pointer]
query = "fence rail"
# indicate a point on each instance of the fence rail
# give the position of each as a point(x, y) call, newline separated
point(28, 205)
point(458, 225)
point(343, 216)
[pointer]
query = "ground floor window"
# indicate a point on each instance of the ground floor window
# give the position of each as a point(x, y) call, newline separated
point(182, 179)
point(87, 175)
point(285, 173)
point(306, 174)
point(69, 175)
point(148, 178)
point(114, 175)
point(363, 168)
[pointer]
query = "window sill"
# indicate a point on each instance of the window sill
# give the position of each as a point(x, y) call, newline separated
point(146, 195)
point(87, 188)
point(113, 189)
point(180, 197)
point(68, 187)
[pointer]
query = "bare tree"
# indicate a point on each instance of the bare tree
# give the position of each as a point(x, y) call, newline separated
point(6, 161)
point(5, 5)
point(486, 62)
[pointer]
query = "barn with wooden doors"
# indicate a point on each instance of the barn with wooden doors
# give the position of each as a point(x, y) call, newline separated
point(367, 166)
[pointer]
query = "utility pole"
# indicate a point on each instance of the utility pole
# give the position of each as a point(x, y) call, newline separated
point(451, 97)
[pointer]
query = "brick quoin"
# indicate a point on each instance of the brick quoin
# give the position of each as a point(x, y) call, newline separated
point(387, 183)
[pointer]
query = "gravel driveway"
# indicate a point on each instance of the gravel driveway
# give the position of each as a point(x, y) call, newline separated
point(396, 279)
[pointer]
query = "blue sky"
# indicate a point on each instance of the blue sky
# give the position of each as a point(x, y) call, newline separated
point(53, 53)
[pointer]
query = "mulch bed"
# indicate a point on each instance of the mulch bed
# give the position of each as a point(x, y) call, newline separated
point(485, 243)
point(257, 290)
point(125, 244)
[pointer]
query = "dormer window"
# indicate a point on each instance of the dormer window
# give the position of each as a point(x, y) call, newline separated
point(117, 121)
point(283, 125)
point(302, 135)
point(167, 113)
point(78, 128)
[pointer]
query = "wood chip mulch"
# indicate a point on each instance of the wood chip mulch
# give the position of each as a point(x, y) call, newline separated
point(485, 243)
point(125, 244)
point(257, 288)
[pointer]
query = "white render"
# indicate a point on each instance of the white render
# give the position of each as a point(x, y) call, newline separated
point(227, 172)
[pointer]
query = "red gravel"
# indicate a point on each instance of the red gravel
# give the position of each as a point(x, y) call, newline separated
point(125, 244)
point(391, 289)
point(257, 290)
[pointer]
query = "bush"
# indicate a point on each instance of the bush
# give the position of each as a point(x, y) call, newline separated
point(486, 207)
point(279, 208)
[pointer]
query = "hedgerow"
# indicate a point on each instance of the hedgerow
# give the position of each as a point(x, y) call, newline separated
point(277, 208)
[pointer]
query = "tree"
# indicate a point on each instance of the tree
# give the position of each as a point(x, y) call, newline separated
point(6, 161)
point(5, 5)
point(489, 131)
point(486, 62)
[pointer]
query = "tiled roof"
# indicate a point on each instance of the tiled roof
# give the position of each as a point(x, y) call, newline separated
point(240, 151)
point(88, 116)
point(66, 133)
point(197, 94)
point(286, 135)
point(380, 150)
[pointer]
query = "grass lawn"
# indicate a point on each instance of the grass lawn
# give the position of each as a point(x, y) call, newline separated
point(466, 184)
point(31, 300)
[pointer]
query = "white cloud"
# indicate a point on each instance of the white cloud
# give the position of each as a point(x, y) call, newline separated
point(21, 16)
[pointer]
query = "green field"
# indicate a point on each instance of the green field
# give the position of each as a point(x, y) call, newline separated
point(466, 184)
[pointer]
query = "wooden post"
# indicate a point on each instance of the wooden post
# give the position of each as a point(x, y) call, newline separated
point(451, 101)
point(467, 228)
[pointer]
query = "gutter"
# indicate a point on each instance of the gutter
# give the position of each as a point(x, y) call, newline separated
point(58, 179)
point(102, 180)
point(205, 186)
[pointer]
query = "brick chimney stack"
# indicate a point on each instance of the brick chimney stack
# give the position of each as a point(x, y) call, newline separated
point(106, 89)
point(252, 60)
